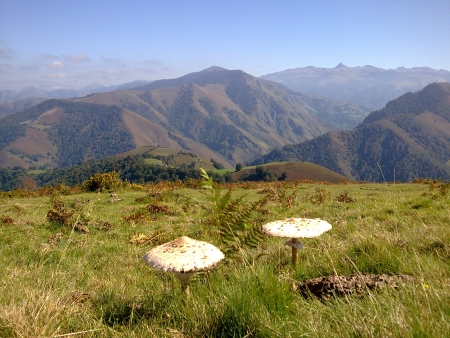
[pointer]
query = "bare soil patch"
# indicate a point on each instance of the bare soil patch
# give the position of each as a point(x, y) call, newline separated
point(332, 286)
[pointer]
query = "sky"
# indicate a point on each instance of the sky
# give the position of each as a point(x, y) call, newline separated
point(54, 44)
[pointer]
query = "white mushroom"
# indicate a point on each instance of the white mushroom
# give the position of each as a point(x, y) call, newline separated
point(183, 256)
point(296, 228)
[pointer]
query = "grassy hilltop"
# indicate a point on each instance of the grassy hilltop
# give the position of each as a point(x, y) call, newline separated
point(71, 262)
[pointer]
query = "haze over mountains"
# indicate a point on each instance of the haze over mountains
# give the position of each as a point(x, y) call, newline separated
point(33, 92)
point(12, 101)
point(368, 86)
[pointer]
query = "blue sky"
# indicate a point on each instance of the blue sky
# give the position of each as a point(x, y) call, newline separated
point(67, 44)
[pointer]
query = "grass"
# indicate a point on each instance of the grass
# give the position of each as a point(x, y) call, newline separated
point(57, 281)
point(153, 161)
point(222, 172)
point(172, 157)
point(299, 171)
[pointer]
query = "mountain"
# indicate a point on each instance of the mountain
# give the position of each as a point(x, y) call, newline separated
point(408, 139)
point(226, 115)
point(10, 96)
point(368, 86)
point(60, 133)
point(15, 106)
point(233, 113)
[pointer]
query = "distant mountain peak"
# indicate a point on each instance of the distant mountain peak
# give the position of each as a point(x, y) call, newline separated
point(29, 88)
point(369, 86)
point(341, 66)
point(213, 68)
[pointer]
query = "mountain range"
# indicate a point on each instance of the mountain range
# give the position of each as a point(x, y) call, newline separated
point(13, 101)
point(15, 106)
point(232, 117)
point(226, 115)
point(11, 97)
point(408, 139)
point(368, 86)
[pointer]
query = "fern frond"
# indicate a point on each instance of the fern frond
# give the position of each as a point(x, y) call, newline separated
point(204, 174)
point(207, 182)
point(237, 223)
point(222, 201)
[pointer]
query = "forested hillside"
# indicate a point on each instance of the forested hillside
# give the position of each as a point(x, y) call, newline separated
point(233, 113)
point(63, 133)
point(410, 138)
point(229, 116)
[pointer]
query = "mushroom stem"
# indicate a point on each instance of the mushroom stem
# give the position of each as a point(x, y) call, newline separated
point(185, 288)
point(294, 253)
point(184, 277)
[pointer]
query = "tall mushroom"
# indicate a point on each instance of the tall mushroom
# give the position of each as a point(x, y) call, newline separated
point(183, 256)
point(296, 228)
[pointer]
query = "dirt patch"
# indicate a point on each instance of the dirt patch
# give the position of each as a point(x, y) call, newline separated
point(80, 297)
point(54, 240)
point(51, 116)
point(332, 286)
point(106, 226)
point(145, 132)
point(7, 220)
point(159, 209)
point(34, 141)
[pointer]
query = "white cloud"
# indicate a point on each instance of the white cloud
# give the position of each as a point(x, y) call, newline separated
point(153, 62)
point(6, 53)
point(112, 72)
point(102, 74)
point(48, 56)
point(56, 76)
point(6, 66)
point(31, 67)
point(111, 60)
point(145, 70)
point(56, 64)
point(78, 58)
point(119, 72)
point(114, 61)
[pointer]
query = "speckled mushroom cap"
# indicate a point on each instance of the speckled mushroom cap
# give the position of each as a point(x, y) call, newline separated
point(183, 255)
point(296, 227)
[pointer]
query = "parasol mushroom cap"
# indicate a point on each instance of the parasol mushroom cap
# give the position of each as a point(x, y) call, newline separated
point(296, 228)
point(183, 255)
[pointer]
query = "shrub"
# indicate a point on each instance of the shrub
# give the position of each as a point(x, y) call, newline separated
point(59, 215)
point(101, 182)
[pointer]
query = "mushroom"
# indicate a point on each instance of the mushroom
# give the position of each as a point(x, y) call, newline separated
point(183, 256)
point(296, 228)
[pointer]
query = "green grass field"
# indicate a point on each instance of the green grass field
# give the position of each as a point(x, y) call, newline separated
point(222, 172)
point(84, 276)
point(153, 161)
